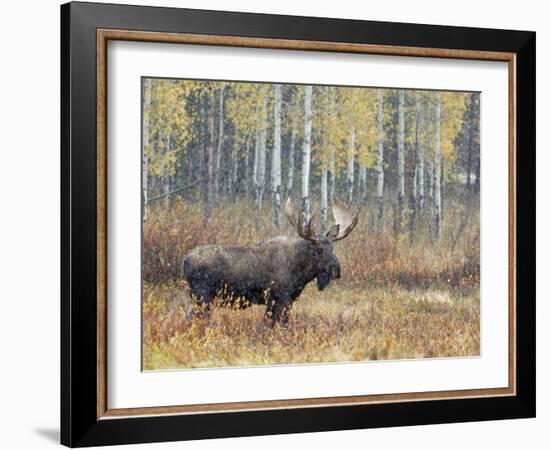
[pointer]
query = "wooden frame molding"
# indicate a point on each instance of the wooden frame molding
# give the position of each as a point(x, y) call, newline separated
point(103, 36)
point(288, 44)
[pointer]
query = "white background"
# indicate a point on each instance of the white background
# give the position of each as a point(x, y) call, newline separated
point(129, 387)
point(29, 229)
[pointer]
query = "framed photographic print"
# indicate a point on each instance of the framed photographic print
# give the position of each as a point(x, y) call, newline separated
point(276, 224)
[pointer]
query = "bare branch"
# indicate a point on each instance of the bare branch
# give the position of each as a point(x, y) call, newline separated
point(175, 191)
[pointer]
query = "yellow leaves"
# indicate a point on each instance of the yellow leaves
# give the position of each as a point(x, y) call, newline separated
point(170, 121)
point(338, 111)
point(453, 105)
point(326, 130)
point(293, 113)
point(248, 107)
point(176, 109)
point(147, 150)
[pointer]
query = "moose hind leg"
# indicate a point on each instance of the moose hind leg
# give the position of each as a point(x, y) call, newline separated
point(199, 306)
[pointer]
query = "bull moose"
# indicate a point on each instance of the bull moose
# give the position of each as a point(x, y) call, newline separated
point(273, 273)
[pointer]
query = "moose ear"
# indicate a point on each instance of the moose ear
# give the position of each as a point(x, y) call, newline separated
point(333, 232)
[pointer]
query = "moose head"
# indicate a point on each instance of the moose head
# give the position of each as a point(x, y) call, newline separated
point(325, 261)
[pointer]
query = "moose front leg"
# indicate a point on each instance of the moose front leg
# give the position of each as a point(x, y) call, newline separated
point(269, 311)
point(281, 312)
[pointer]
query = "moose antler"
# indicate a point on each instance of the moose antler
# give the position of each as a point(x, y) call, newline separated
point(306, 232)
point(343, 217)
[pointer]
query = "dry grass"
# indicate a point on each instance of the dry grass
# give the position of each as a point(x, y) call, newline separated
point(398, 298)
point(367, 256)
point(334, 325)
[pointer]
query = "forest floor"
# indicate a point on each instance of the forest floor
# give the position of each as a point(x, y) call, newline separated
point(340, 324)
point(400, 296)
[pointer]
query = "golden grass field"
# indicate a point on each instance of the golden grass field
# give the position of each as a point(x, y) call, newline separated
point(397, 298)
point(329, 326)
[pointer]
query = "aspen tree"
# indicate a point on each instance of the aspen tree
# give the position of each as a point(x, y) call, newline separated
point(208, 170)
point(276, 157)
point(219, 147)
point(306, 153)
point(350, 165)
point(380, 157)
point(401, 158)
point(437, 167)
point(146, 145)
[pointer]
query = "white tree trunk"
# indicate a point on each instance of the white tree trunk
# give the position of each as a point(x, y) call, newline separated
point(290, 172)
point(401, 157)
point(431, 187)
point(437, 168)
point(362, 182)
point(350, 166)
point(247, 175)
point(419, 175)
point(144, 150)
point(415, 184)
point(276, 158)
point(306, 153)
point(261, 156)
point(380, 157)
point(167, 178)
point(420, 182)
point(232, 181)
point(217, 175)
point(443, 183)
point(208, 157)
point(324, 199)
point(331, 177)
point(257, 157)
point(160, 152)
point(256, 163)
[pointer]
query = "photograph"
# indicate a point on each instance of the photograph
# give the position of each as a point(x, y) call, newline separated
point(307, 224)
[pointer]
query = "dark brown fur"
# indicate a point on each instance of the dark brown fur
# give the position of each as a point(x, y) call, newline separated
point(273, 273)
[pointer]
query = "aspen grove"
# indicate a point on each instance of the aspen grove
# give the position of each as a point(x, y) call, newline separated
point(219, 161)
